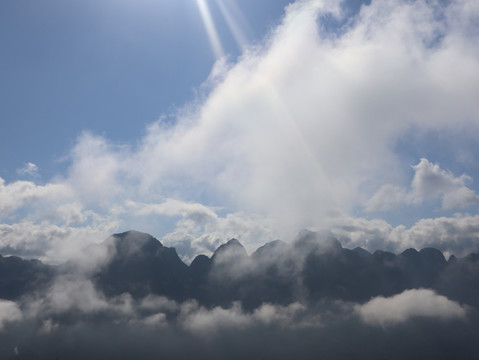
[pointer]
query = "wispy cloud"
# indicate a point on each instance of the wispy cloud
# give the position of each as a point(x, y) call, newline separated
point(29, 169)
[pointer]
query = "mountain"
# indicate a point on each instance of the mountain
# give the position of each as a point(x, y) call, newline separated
point(19, 277)
point(132, 297)
point(141, 265)
point(310, 269)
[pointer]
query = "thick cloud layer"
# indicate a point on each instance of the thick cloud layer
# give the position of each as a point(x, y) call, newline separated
point(123, 328)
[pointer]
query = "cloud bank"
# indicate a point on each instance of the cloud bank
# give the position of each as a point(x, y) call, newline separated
point(156, 326)
point(407, 305)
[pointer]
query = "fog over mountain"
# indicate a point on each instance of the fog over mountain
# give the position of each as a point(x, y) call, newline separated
point(355, 119)
point(132, 297)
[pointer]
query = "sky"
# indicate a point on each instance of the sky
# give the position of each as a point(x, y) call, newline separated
point(201, 120)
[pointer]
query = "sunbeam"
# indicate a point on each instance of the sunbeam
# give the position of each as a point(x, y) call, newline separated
point(213, 37)
point(235, 20)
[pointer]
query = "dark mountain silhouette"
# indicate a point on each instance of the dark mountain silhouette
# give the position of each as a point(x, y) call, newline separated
point(309, 269)
point(19, 277)
point(285, 300)
point(141, 265)
point(231, 252)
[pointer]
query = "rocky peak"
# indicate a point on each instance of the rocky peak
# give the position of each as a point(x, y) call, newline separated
point(231, 250)
point(134, 242)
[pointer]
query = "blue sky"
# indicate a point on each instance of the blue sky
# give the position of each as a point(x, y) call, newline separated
point(109, 67)
point(201, 120)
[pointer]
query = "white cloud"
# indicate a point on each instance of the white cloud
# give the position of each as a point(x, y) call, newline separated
point(97, 169)
point(388, 197)
point(194, 213)
point(29, 169)
point(408, 305)
point(295, 128)
point(286, 138)
point(208, 322)
point(69, 294)
point(202, 321)
point(69, 213)
point(458, 235)
point(430, 182)
point(9, 312)
point(294, 315)
point(15, 195)
point(156, 320)
point(50, 242)
point(158, 303)
point(461, 197)
point(192, 239)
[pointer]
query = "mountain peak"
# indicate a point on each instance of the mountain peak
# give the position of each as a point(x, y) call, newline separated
point(433, 255)
point(232, 242)
point(311, 241)
point(231, 249)
point(134, 235)
point(361, 252)
point(132, 241)
point(273, 248)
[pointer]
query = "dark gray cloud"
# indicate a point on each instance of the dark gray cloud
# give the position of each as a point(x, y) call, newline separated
point(330, 331)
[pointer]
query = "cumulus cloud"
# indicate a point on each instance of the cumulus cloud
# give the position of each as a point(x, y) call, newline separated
point(455, 235)
point(430, 182)
point(201, 230)
point(461, 197)
point(289, 136)
point(96, 170)
point(288, 128)
point(18, 194)
point(408, 305)
point(458, 235)
point(50, 242)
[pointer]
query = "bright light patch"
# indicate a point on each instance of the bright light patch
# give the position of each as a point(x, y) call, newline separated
point(232, 14)
point(210, 28)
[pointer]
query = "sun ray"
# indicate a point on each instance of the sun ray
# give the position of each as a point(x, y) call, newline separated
point(210, 27)
point(235, 21)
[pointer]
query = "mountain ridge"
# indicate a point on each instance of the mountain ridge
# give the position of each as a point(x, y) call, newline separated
point(311, 268)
